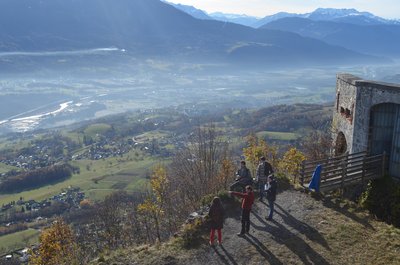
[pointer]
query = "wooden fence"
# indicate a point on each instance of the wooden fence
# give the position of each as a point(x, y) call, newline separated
point(340, 171)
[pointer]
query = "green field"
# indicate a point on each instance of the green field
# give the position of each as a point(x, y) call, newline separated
point(98, 178)
point(18, 240)
point(5, 168)
point(284, 136)
point(156, 134)
point(97, 128)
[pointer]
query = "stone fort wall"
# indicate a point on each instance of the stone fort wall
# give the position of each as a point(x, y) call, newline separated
point(354, 99)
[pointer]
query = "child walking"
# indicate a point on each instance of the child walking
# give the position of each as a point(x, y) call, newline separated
point(216, 214)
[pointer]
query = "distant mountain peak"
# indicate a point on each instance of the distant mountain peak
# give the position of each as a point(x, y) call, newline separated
point(335, 11)
point(332, 14)
point(232, 16)
point(194, 12)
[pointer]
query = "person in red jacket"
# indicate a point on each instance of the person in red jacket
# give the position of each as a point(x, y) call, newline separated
point(247, 203)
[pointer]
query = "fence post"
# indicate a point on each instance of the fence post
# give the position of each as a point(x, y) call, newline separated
point(302, 173)
point(344, 169)
point(363, 169)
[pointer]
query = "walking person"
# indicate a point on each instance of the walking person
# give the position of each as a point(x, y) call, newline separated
point(216, 214)
point(272, 187)
point(264, 169)
point(243, 177)
point(247, 203)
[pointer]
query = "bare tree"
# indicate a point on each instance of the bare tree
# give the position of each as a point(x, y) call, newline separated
point(196, 168)
point(317, 145)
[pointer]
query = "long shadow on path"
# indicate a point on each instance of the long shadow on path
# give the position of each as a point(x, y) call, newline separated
point(263, 250)
point(310, 232)
point(225, 256)
point(292, 241)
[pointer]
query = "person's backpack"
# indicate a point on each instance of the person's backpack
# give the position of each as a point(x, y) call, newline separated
point(267, 169)
point(248, 179)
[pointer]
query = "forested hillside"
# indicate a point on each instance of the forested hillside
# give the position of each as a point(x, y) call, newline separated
point(121, 153)
point(137, 177)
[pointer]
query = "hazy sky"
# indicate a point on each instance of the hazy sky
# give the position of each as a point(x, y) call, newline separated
point(261, 8)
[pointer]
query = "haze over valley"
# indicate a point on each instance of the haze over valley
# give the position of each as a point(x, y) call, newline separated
point(108, 108)
point(64, 64)
point(113, 57)
point(92, 85)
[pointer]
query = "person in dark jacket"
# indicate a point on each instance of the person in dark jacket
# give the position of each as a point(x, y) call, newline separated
point(264, 169)
point(216, 215)
point(247, 203)
point(272, 187)
point(243, 177)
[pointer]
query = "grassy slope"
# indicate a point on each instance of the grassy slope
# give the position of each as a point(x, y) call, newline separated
point(18, 240)
point(283, 136)
point(111, 174)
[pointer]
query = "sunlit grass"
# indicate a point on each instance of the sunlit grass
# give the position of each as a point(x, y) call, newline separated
point(5, 168)
point(284, 136)
point(18, 240)
point(98, 128)
point(108, 174)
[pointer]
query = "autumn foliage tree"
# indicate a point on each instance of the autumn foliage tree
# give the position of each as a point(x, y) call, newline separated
point(291, 163)
point(158, 202)
point(226, 172)
point(256, 148)
point(57, 246)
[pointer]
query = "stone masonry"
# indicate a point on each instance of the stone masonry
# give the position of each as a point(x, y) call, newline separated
point(354, 99)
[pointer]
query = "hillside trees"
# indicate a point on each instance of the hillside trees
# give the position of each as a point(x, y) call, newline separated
point(317, 145)
point(157, 208)
point(57, 246)
point(110, 224)
point(37, 178)
point(117, 222)
point(195, 169)
point(226, 172)
point(291, 162)
point(256, 148)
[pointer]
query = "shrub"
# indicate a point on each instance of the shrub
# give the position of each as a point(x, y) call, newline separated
point(192, 234)
point(382, 198)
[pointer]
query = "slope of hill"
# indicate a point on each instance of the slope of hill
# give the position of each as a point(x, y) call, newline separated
point(194, 12)
point(234, 18)
point(304, 231)
point(153, 28)
point(372, 39)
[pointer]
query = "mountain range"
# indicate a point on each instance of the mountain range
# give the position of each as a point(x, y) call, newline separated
point(346, 15)
point(151, 28)
point(348, 28)
point(381, 39)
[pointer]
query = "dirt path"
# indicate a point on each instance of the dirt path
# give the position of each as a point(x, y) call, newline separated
point(303, 231)
point(286, 235)
point(296, 235)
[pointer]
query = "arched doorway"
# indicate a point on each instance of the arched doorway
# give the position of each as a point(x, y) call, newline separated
point(341, 144)
point(384, 134)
